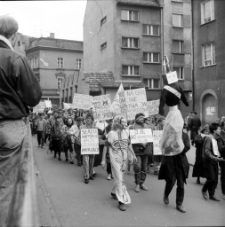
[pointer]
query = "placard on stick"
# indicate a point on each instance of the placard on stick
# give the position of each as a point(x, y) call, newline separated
point(141, 135)
point(157, 134)
point(89, 141)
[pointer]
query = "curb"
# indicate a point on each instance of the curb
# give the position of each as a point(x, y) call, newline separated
point(54, 219)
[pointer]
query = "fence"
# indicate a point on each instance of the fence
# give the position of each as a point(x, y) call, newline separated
point(23, 210)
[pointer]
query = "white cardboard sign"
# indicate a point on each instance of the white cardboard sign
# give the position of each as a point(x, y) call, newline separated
point(157, 134)
point(89, 141)
point(172, 77)
point(141, 136)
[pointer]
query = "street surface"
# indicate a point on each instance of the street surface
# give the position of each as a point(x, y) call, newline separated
point(64, 199)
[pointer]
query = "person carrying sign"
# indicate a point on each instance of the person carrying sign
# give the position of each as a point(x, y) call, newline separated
point(142, 152)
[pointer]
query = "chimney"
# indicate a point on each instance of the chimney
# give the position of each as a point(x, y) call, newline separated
point(52, 35)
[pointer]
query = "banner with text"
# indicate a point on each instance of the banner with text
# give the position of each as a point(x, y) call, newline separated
point(153, 107)
point(141, 135)
point(101, 107)
point(136, 102)
point(157, 134)
point(89, 141)
point(81, 101)
point(48, 103)
point(119, 106)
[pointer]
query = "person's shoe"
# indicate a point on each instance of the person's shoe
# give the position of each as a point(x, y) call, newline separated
point(43, 147)
point(181, 209)
point(198, 181)
point(79, 163)
point(166, 200)
point(224, 197)
point(143, 187)
point(39, 145)
point(113, 195)
point(137, 188)
point(54, 156)
point(91, 177)
point(122, 207)
point(86, 181)
point(59, 159)
point(94, 174)
point(205, 196)
point(109, 177)
point(67, 160)
point(71, 162)
point(214, 198)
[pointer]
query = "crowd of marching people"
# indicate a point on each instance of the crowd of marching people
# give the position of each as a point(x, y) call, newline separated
point(62, 128)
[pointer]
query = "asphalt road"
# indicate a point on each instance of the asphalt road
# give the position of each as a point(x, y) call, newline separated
point(64, 199)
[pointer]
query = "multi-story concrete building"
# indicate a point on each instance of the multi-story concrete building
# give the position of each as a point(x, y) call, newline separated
point(52, 61)
point(129, 39)
point(22, 43)
point(209, 59)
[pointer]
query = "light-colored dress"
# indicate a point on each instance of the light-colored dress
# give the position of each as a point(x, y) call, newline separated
point(118, 142)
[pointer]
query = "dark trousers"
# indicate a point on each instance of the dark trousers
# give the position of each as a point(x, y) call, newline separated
point(140, 169)
point(57, 147)
point(78, 152)
point(222, 176)
point(108, 168)
point(212, 179)
point(179, 177)
point(41, 137)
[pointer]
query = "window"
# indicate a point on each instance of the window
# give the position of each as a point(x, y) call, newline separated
point(129, 15)
point(130, 42)
point(178, 46)
point(60, 63)
point(208, 54)
point(151, 57)
point(78, 64)
point(60, 80)
point(35, 62)
point(130, 70)
point(150, 29)
point(207, 11)
point(103, 20)
point(152, 83)
point(180, 72)
point(177, 20)
point(104, 45)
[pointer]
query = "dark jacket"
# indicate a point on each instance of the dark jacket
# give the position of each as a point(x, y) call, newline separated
point(221, 145)
point(19, 87)
point(170, 99)
point(168, 165)
point(194, 123)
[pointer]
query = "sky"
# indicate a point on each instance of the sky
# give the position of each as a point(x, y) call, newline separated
point(40, 18)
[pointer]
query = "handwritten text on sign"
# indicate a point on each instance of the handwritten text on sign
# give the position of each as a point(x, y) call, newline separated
point(157, 134)
point(153, 107)
point(89, 141)
point(141, 136)
point(81, 101)
point(136, 102)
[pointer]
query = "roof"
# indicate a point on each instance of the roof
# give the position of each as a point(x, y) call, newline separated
point(95, 79)
point(125, 84)
point(154, 3)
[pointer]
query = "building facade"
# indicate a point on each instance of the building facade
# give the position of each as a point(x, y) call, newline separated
point(129, 38)
point(52, 60)
point(209, 59)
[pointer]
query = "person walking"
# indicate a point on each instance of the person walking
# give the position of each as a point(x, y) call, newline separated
point(119, 146)
point(211, 157)
point(41, 129)
point(142, 151)
point(175, 168)
point(198, 169)
point(19, 89)
point(56, 137)
point(77, 141)
point(194, 126)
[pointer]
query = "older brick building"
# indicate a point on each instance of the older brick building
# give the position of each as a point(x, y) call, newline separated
point(209, 58)
point(52, 60)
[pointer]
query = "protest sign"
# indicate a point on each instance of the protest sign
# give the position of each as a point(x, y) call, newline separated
point(141, 135)
point(153, 107)
point(157, 134)
point(101, 107)
point(81, 101)
point(172, 77)
point(67, 105)
point(136, 102)
point(48, 103)
point(89, 141)
point(39, 108)
point(118, 106)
